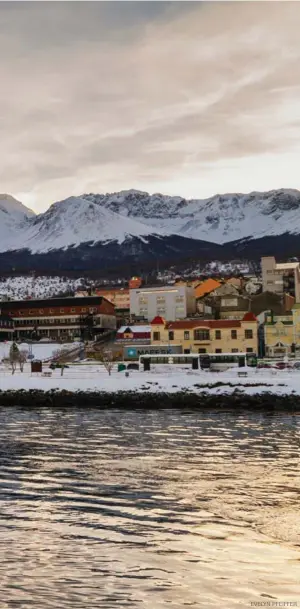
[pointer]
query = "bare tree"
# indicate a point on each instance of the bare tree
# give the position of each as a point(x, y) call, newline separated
point(14, 355)
point(107, 358)
point(23, 356)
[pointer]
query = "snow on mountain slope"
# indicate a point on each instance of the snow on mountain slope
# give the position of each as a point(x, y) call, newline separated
point(221, 218)
point(13, 216)
point(73, 222)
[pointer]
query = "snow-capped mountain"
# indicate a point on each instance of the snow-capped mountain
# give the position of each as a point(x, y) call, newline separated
point(13, 218)
point(70, 223)
point(138, 230)
point(221, 218)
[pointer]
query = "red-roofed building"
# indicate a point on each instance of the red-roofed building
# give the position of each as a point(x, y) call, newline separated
point(208, 336)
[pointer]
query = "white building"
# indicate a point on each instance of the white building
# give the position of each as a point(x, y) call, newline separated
point(169, 302)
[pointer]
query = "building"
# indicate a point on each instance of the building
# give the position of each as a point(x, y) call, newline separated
point(279, 304)
point(131, 334)
point(170, 302)
point(282, 333)
point(206, 287)
point(232, 306)
point(7, 327)
point(61, 318)
point(119, 297)
point(281, 277)
point(208, 336)
point(279, 334)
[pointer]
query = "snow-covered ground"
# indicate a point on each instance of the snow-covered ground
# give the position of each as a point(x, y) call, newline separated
point(24, 286)
point(40, 351)
point(93, 377)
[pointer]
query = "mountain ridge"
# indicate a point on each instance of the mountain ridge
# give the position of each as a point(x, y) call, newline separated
point(137, 229)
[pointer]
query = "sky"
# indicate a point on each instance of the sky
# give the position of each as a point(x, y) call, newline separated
point(183, 98)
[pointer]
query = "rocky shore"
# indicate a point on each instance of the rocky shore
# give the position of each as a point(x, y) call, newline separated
point(237, 400)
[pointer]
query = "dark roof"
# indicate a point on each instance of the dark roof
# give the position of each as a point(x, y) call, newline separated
point(52, 302)
point(205, 323)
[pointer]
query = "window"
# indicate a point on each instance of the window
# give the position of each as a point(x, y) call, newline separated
point(248, 333)
point(218, 334)
point(83, 310)
point(186, 335)
point(201, 350)
point(234, 350)
point(249, 350)
point(51, 311)
point(233, 334)
point(41, 311)
point(171, 335)
point(201, 334)
point(72, 310)
point(156, 335)
point(61, 310)
point(218, 350)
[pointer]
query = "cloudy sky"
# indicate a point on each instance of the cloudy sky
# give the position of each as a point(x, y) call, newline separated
point(182, 98)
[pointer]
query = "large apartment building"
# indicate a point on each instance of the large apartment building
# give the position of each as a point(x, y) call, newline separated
point(60, 318)
point(281, 277)
point(170, 302)
point(208, 336)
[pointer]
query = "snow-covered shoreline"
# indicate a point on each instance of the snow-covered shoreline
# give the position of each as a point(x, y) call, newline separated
point(161, 379)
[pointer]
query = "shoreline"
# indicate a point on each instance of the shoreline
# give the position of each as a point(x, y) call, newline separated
point(184, 399)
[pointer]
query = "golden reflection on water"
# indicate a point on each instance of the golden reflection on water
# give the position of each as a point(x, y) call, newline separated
point(148, 509)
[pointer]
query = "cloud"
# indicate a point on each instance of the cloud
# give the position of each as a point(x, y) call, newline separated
point(101, 96)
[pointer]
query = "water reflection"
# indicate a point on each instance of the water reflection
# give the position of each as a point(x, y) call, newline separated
point(148, 509)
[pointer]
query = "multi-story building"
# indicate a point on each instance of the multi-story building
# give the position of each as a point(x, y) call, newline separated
point(281, 277)
point(60, 318)
point(282, 333)
point(208, 336)
point(279, 334)
point(7, 327)
point(118, 296)
point(170, 302)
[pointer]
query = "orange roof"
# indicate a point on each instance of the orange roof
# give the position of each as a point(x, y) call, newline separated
point(206, 287)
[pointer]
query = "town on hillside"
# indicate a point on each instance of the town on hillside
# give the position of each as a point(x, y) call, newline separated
point(248, 316)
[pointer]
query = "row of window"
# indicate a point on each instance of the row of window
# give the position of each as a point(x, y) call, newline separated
point(51, 311)
point(52, 321)
point(248, 350)
point(204, 335)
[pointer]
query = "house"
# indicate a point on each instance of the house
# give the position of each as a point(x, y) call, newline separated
point(208, 336)
point(134, 334)
point(206, 287)
point(226, 289)
point(171, 302)
point(232, 306)
point(61, 318)
point(7, 327)
point(279, 304)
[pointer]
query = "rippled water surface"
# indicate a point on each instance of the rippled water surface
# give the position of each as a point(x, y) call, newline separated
point(148, 509)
